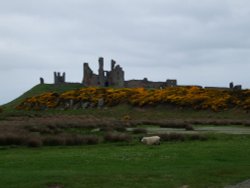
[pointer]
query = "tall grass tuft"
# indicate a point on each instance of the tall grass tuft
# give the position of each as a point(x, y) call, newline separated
point(182, 137)
point(81, 140)
point(120, 128)
point(70, 140)
point(167, 123)
point(53, 141)
point(117, 137)
point(34, 141)
point(189, 127)
point(140, 131)
point(12, 139)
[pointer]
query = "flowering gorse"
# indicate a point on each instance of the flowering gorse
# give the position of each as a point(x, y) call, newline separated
point(192, 97)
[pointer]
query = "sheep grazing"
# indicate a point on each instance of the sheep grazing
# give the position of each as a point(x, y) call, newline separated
point(151, 140)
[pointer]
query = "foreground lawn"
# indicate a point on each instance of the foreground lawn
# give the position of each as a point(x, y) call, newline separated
point(212, 163)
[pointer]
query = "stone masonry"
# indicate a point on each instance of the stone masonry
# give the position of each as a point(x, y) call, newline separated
point(58, 78)
point(114, 77)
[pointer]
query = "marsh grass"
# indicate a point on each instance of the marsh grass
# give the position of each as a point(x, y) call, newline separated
point(117, 137)
point(140, 131)
point(85, 130)
point(184, 137)
point(122, 111)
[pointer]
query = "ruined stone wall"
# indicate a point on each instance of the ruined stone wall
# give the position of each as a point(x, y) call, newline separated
point(114, 77)
point(101, 78)
point(89, 78)
point(218, 88)
point(117, 77)
point(155, 85)
point(143, 83)
point(134, 83)
point(171, 83)
point(58, 78)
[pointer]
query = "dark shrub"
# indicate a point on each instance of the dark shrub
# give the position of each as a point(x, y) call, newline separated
point(91, 139)
point(140, 131)
point(80, 140)
point(106, 129)
point(53, 129)
point(46, 130)
point(117, 137)
point(1, 110)
point(210, 122)
point(197, 137)
point(32, 128)
point(172, 137)
point(223, 122)
point(247, 123)
point(53, 141)
point(197, 122)
point(220, 122)
point(50, 129)
point(34, 142)
point(182, 137)
point(177, 137)
point(172, 124)
point(237, 122)
point(12, 139)
point(71, 140)
point(189, 127)
point(120, 129)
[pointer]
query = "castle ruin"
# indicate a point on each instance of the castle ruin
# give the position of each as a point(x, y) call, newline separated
point(113, 78)
point(58, 78)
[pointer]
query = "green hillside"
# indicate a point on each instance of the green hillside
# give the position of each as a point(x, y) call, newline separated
point(121, 110)
point(42, 88)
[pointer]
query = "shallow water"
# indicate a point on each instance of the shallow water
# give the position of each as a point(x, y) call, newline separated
point(201, 129)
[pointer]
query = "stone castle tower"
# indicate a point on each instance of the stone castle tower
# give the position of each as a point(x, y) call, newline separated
point(58, 78)
point(114, 77)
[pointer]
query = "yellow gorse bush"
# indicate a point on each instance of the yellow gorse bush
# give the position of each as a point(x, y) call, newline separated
point(45, 100)
point(192, 97)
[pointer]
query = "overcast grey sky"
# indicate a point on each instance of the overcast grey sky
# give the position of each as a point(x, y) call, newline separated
point(196, 42)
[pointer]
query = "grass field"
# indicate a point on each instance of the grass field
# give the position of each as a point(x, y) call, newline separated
point(213, 163)
point(215, 160)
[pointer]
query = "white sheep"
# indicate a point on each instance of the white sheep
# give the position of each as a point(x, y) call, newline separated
point(151, 140)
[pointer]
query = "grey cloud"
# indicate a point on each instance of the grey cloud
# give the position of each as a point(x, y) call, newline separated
point(188, 40)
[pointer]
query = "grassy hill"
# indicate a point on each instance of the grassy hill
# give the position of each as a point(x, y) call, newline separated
point(160, 111)
point(39, 89)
